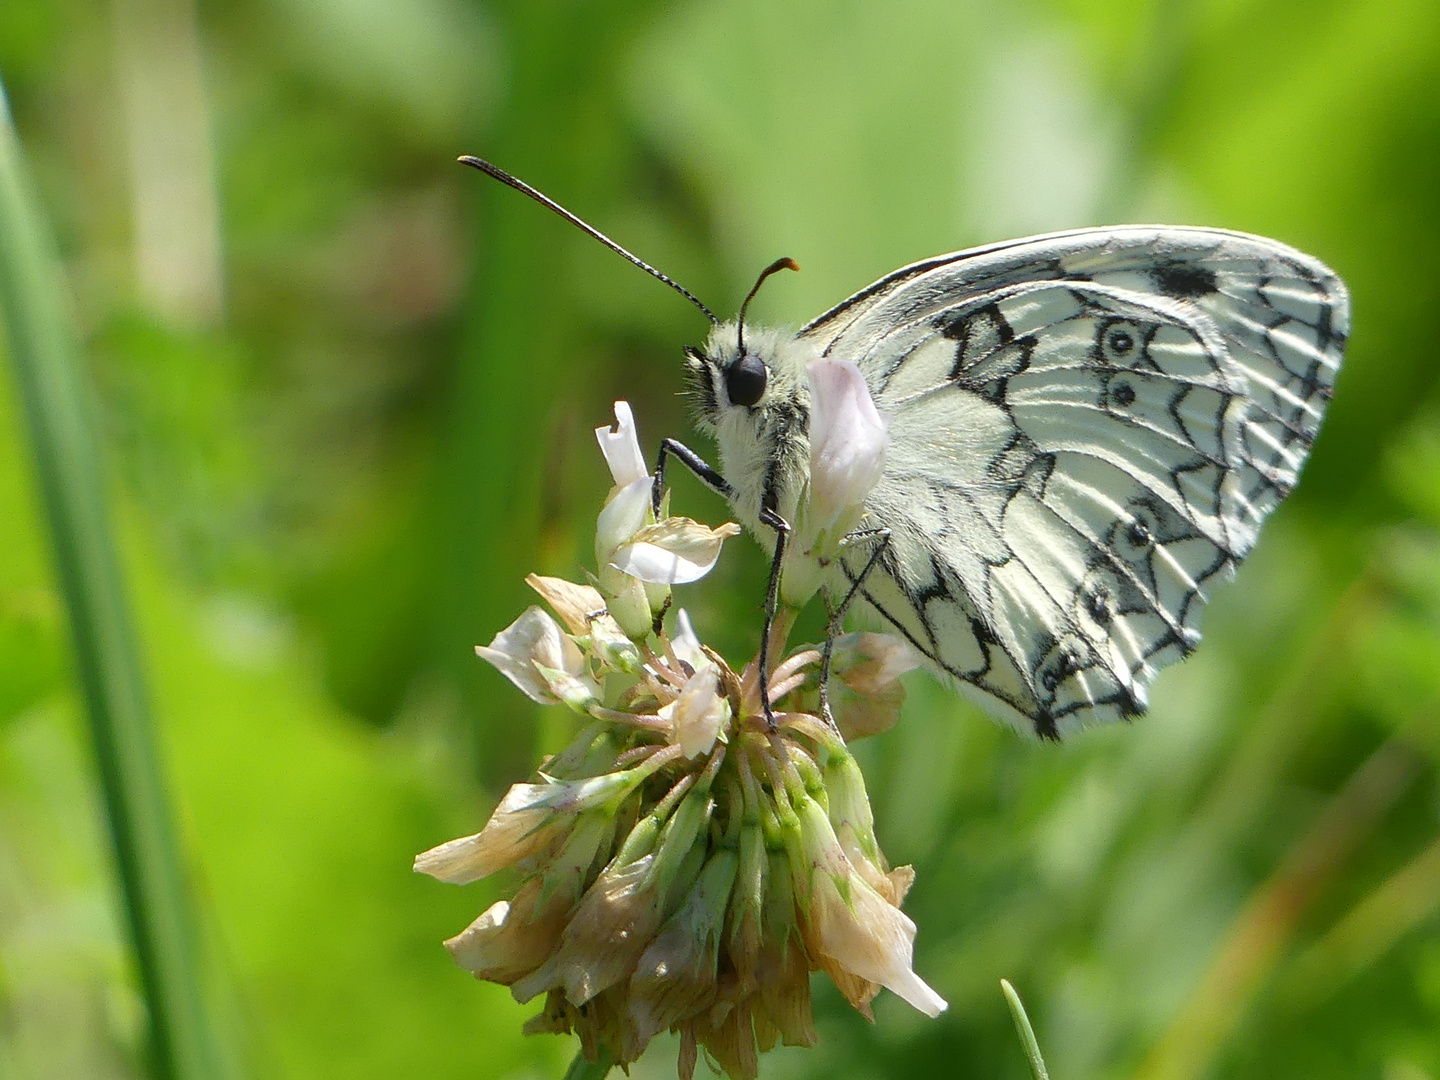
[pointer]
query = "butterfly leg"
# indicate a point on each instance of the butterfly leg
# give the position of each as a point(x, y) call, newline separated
point(712, 479)
point(705, 472)
point(881, 539)
point(769, 516)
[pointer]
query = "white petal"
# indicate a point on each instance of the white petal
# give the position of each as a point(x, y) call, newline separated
point(621, 447)
point(653, 563)
point(918, 992)
point(675, 551)
point(699, 712)
point(686, 642)
point(848, 438)
point(533, 638)
point(623, 517)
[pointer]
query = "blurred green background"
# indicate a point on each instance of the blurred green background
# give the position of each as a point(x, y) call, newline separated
point(347, 390)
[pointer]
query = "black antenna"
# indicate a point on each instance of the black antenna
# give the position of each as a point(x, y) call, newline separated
point(544, 200)
point(786, 263)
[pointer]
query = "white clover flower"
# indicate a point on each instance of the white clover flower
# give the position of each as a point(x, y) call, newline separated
point(639, 558)
point(870, 938)
point(698, 713)
point(684, 864)
point(538, 657)
point(848, 439)
point(627, 512)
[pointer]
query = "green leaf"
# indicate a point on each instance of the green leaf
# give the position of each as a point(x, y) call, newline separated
point(107, 659)
point(1025, 1031)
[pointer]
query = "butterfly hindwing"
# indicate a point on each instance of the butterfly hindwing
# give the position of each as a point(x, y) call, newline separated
point(1086, 433)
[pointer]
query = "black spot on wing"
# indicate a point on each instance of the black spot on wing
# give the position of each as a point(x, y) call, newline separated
point(1184, 280)
point(986, 324)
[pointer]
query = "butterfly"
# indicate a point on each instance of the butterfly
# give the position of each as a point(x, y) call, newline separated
point(1087, 430)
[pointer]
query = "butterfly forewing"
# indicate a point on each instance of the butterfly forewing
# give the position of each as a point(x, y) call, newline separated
point(1087, 430)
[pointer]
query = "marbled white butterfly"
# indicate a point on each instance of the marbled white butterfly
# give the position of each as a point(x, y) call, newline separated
point(1087, 430)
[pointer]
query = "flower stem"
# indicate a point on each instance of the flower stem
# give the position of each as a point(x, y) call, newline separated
point(107, 656)
point(583, 1069)
point(1025, 1031)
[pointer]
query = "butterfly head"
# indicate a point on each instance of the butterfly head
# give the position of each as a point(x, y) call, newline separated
point(729, 385)
point(738, 375)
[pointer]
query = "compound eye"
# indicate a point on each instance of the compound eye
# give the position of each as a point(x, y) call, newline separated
point(745, 380)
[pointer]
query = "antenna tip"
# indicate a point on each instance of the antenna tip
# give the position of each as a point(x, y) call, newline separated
point(788, 264)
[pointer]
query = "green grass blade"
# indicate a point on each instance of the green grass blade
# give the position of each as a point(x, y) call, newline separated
point(1025, 1031)
point(107, 661)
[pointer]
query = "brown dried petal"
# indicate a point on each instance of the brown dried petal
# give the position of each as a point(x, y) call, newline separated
point(511, 939)
point(859, 716)
point(685, 1063)
point(614, 923)
point(554, 1019)
point(675, 978)
point(859, 992)
point(901, 878)
point(506, 839)
point(785, 994)
point(575, 604)
point(731, 1043)
point(869, 662)
point(782, 968)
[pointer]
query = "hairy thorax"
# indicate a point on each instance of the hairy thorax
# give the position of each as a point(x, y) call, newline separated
point(765, 446)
